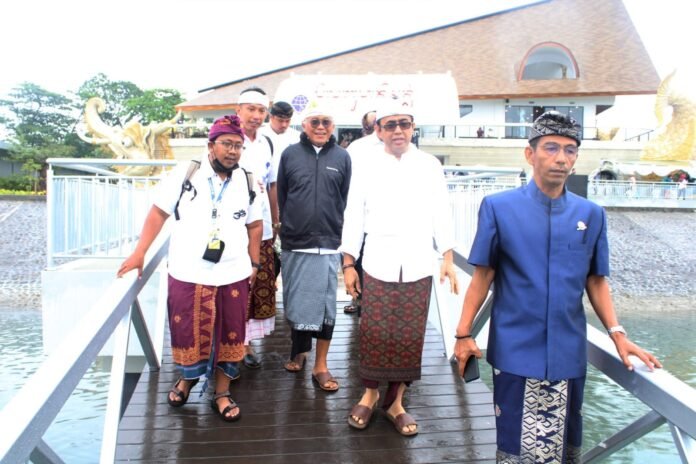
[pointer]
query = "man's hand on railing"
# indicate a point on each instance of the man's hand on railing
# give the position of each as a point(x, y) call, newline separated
point(626, 347)
point(463, 348)
point(134, 261)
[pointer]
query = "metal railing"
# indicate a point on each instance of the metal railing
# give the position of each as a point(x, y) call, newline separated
point(615, 193)
point(98, 213)
point(32, 410)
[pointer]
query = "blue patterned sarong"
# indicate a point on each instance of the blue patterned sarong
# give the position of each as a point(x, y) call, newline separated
point(538, 421)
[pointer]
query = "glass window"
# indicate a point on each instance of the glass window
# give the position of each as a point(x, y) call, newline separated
point(465, 109)
point(516, 115)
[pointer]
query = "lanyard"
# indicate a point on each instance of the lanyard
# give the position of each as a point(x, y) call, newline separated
point(212, 194)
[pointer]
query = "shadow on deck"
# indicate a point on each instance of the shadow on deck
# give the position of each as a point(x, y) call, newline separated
point(285, 418)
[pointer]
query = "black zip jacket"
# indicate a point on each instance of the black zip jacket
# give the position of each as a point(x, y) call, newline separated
point(312, 193)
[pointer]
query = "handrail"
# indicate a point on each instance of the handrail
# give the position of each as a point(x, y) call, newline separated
point(32, 410)
point(670, 400)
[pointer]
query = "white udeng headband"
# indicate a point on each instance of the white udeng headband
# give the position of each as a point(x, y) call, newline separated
point(254, 98)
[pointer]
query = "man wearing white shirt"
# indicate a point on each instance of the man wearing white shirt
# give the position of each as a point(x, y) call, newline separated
point(280, 133)
point(398, 205)
point(253, 107)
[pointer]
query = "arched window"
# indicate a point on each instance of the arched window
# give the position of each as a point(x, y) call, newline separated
point(548, 60)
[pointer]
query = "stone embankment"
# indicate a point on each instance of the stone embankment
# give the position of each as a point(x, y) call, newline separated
point(653, 257)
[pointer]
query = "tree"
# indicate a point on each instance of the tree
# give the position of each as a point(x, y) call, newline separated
point(114, 93)
point(40, 124)
point(155, 105)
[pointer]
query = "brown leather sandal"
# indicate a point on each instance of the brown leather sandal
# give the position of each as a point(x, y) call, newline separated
point(403, 420)
point(361, 412)
point(321, 378)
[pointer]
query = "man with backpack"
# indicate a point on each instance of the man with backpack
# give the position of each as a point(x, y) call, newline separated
point(213, 261)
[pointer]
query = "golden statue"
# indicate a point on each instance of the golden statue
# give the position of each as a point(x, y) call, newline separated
point(675, 141)
point(134, 141)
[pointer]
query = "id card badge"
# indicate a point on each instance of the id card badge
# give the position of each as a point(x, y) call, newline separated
point(213, 252)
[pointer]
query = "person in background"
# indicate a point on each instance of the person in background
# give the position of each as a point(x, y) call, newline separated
point(281, 135)
point(358, 150)
point(213, 259)
point(542, 246)
point(313, 181)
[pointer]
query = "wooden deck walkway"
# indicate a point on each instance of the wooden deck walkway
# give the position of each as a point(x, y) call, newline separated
point(286, 419)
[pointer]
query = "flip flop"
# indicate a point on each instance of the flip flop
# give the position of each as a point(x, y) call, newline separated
point(362, 412)
point(296, 361)
point(403, 420)
point(182, 397)
point(223, 414)
point(322, 377)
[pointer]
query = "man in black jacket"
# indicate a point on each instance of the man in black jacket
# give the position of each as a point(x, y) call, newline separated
point(313, 180)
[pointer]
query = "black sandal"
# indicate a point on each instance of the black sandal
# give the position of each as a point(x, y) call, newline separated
point(182, 397)
point(228, 408)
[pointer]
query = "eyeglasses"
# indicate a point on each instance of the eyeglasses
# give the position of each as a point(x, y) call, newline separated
point(324, 122)
point(230, 145)
point(391, 125)
point(571, 151)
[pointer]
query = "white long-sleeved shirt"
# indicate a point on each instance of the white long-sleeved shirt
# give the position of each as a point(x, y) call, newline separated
point(402, 205)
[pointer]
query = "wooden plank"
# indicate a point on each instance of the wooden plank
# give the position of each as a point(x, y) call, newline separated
point(286, 418)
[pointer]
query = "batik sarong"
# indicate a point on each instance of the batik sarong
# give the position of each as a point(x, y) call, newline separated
point(309, 289)
point(392, 329)
point(207, 322)
point(262, 303)
point(537, 421)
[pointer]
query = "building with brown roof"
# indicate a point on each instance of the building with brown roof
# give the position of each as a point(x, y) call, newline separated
point(571, 55)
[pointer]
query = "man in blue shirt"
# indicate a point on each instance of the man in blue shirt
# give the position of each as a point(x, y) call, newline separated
point(542, 246)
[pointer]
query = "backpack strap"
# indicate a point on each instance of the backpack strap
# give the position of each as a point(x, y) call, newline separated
point(270, 143)
point(250, 183)
point(186, 185)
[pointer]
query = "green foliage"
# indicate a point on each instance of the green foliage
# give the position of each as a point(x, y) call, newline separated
point(155, 105)
point(16, 182)
point(40, 117)
point(114, 93)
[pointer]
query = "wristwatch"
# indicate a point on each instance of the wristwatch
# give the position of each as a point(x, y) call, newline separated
point(616, 328)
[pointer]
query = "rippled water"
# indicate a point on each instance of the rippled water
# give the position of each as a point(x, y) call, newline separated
point(76, 433)
point(77, 430)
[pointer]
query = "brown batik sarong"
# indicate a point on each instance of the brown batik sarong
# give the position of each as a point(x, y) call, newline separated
point(392, 329)
point(199, 314)
point(262, 304)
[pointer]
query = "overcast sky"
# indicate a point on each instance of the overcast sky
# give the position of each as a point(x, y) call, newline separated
point(192, 44)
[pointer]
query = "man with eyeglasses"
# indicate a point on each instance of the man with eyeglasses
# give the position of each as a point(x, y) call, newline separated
point(313, 180)
point(213, 261)
point(398, 207)
point(542, 246)
point(258, 152)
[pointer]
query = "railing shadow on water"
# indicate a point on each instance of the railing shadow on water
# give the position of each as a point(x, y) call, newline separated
point(32, 410)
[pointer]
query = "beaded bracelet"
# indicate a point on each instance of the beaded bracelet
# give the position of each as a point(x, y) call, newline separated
point(462, 337)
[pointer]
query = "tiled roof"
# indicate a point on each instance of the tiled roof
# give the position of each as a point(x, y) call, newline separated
point(484, 55)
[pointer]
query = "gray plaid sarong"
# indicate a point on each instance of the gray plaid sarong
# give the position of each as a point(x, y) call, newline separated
point(309, 289)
